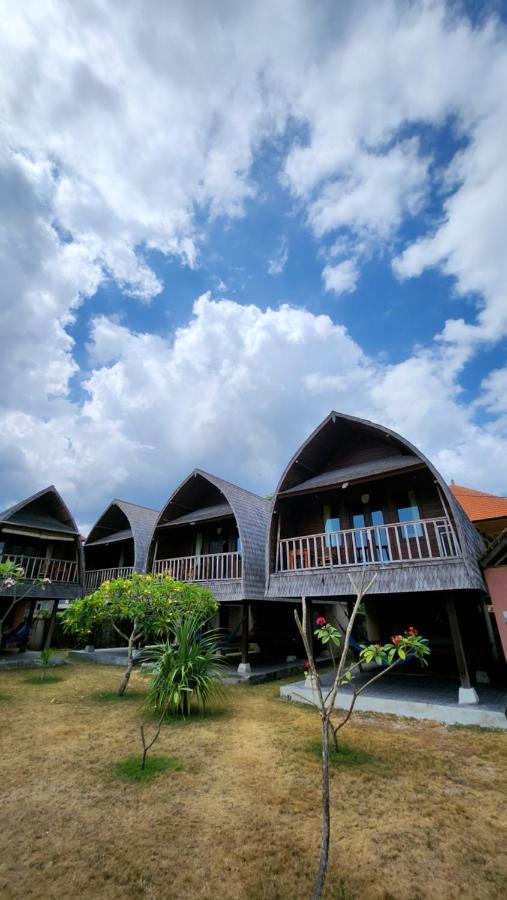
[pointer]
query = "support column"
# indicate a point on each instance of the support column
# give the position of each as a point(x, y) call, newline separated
point(244, 665)
point(310, 625)
point(467, 694)
point(49, 626)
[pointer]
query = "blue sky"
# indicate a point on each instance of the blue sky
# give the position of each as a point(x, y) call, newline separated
point(327, 180)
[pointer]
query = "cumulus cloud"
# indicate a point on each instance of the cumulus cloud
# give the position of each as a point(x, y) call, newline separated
point(129, 130)
point(234, 391)
point(342, 278)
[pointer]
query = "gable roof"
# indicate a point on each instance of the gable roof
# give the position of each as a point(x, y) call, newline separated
point(250, 511)
point(19, 514)
point(479, 505)
point(141, 520)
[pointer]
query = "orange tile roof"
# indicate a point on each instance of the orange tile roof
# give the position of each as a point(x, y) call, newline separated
point(478, 505)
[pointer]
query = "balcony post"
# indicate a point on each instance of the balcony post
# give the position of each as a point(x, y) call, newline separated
point(244, 666)
point(49, 626)
point(467, 694)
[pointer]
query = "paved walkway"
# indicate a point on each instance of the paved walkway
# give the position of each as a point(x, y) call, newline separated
point(12, 659)
point(415, 696)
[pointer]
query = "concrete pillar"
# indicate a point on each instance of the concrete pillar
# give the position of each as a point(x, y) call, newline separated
point(466, 693)
point(244, 665)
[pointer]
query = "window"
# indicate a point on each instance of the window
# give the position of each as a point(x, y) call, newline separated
point(380, 536)
point(331, 526)
point(409, 512)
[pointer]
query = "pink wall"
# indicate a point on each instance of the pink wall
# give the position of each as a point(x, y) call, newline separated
point(496, 580)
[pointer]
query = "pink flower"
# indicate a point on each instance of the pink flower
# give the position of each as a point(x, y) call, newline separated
point(320, 620)
point(412, 632)
point(396, 639)
point(307, 665)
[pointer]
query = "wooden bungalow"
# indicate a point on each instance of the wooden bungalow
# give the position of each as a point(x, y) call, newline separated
point(118, 543)
point(357, 494)
point(40, 535)
point(213, 533)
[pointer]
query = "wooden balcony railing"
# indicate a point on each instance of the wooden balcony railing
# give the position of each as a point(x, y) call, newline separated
point(207, 567)
point(424, 539)
point(95, 577)
point(63, 571)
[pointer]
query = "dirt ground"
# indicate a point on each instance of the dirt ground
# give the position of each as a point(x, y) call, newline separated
point(418, 809)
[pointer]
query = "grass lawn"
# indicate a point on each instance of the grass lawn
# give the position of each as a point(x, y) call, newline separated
point(418, 809)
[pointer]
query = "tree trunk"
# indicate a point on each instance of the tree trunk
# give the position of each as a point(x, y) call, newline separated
point(324, 843)
point(130, 663)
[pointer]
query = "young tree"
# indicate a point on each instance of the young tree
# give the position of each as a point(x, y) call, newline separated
point(142, 606)
point(12, 579)
point(388, 655)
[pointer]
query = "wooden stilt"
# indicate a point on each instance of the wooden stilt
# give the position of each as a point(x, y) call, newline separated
point(244, 665)
point(458, 643)
point(49, 626)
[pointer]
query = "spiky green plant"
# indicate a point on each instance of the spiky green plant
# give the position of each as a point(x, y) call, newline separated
point(188, 669)
point(45, 659)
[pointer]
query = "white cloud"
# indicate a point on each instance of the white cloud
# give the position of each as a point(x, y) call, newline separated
point(278, 261)
point(342, 278)
point(117, 130)
point(234, 391)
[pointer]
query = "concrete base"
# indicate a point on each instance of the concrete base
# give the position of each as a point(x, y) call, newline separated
point(415, 698)
point(30, 659)
point(110, 656)
point(468, 695)
point(244, 668)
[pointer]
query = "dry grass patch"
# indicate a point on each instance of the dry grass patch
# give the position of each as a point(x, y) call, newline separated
point(418, 809)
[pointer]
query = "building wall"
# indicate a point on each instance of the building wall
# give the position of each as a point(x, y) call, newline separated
point(496, 580)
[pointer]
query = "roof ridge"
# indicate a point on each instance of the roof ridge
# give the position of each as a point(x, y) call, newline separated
point(463, 487)
point(139, 505)
point(231, 484)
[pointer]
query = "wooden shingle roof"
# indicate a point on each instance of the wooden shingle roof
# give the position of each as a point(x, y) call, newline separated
point(140, 522)
point(250, 511)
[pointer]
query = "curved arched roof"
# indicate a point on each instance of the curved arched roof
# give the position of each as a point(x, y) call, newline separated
point(45, 510)
point(128, 520)
point(394, 452)
point(199, 493)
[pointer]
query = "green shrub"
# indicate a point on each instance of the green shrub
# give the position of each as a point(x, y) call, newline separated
point(188, 669)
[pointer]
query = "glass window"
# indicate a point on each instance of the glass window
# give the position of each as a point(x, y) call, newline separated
point(331, 526)
point(409, 512)
point(361, 538)
point(380, 536)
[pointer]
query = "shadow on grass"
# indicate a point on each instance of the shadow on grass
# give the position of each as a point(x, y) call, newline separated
point(346, 757)
point(129, 769)
point(115, 697)
point(40, 679)
point(196, 717)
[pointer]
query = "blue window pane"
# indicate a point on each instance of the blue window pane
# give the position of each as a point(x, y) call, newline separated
point(332, 525)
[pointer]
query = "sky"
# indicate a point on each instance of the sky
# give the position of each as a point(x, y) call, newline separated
point(218, 222)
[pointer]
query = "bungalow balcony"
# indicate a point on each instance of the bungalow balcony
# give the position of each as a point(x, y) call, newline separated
point(95, 577)
point(420, 540)
point(205, 567)
point(60, 571)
